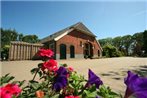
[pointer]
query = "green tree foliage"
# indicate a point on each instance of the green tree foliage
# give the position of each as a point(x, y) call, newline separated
point(111, 51)
point(117, 42)
point(145, 42)
point(126, 41)
point(8, 35)
point(135, 45)
point(105, 41)
point(20, 37)
point(30, 38)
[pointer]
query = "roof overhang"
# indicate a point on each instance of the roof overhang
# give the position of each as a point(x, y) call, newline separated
point(65, 33)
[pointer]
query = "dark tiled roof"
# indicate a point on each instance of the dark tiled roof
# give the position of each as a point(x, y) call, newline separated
point(78, 26)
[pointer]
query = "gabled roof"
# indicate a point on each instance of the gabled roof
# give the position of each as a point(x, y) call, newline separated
point(78, 26)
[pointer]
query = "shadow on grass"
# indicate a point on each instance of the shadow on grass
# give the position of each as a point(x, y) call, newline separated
point(112, 74)
point(117, 78)
point(106, 74)
point(141, 71)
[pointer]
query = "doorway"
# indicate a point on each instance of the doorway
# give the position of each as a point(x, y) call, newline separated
point(88, 50)
point(62, 51)
point(72, 51)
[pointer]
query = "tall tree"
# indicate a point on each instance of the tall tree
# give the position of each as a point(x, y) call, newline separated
point(117, 42)
point(7, 36)
point(126, 41)
point(145, 41)
point(105, 41)
point(20, 37)
point(137, 43)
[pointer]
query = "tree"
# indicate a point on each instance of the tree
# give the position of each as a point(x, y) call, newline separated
point(111, 51)
point(145, 42)
point(137, 44)
point(20, 37)
point(30, 39)
point(117, 42)
point(5, 52)
point(105, 41)
point(7, 36)
point(126, 43)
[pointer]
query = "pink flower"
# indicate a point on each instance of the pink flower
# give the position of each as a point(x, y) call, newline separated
point(51, 65)
point(71, 96)
point(70, 69)
point(45, 53)
point(9, 90)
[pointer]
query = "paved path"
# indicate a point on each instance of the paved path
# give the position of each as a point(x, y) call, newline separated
point(111, 70)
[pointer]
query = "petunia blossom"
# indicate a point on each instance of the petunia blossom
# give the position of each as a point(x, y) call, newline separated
point(93, 79)
point(62, 71)
point(51, 65)
point(70, 69)
point(71, 96)
point(9, 90)
point(136, 86)
point(45, 53)
point(60, 79)
point(97, 96)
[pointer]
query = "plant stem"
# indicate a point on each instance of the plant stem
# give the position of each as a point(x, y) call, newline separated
point(36, 74)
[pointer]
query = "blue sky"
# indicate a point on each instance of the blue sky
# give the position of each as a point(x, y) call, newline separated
point(103, 18)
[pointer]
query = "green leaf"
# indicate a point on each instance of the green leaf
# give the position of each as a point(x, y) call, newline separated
point(64, 65)
point(55, 96)
point(40, 65)
point(34, 84)
point(40, 74)
point(106, 92)
point(34, 70)
point(21, 82)
point(90, 94)
point(6, 79)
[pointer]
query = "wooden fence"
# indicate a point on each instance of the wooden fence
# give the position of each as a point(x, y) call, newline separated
point(22, 50)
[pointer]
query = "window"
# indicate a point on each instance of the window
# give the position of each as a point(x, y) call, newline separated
point(81, 43)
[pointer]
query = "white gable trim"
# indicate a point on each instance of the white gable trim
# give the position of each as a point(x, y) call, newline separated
point(99, 44)
point(65, 33)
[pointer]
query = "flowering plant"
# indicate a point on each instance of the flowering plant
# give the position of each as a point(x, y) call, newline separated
point(63, 82)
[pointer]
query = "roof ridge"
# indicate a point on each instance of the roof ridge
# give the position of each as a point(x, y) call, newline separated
point(62, 30)
point(77, 26)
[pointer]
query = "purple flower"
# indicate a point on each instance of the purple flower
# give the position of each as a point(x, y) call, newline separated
point(62, 71)
point(97, 97)
point(60, 79)
point(136, 86)
point(93, 79)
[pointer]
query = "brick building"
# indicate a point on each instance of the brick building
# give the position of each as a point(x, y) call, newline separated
point(75, 41)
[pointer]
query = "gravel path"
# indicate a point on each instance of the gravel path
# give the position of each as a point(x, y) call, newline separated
point(111, 70)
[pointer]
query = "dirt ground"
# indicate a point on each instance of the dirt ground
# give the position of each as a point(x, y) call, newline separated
point(112, 71)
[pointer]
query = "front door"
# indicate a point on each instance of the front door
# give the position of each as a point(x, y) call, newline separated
point(62, 51)
point(72, 52)
point(88, 51)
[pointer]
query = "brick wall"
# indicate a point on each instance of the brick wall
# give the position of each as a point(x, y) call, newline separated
point(75, 38)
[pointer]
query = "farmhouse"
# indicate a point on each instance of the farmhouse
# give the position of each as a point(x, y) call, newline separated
point(75, 41)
